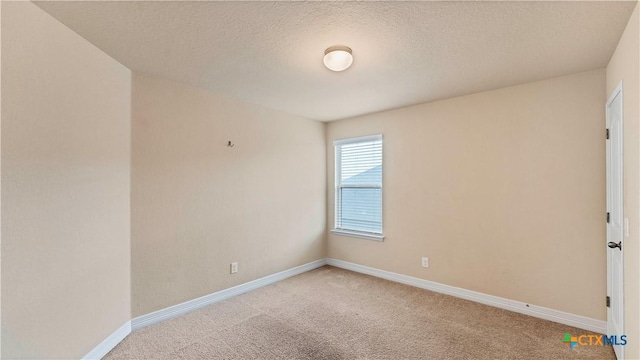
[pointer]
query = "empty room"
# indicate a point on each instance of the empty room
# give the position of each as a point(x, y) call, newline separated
point(320, 180)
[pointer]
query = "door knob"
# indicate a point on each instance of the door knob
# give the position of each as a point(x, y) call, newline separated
point(613, 245)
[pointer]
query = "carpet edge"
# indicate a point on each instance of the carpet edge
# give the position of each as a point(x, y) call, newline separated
point(578, 321)
point(194, 304)
point(110, 342)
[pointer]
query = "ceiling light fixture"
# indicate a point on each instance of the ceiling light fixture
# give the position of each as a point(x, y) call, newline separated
point(338, 58)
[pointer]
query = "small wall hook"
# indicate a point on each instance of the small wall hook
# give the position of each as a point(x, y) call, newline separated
point(230, 144)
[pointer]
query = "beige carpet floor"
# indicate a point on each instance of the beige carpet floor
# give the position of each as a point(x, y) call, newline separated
point(330, 313)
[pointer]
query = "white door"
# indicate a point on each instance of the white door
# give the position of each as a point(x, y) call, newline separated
point(615, 222)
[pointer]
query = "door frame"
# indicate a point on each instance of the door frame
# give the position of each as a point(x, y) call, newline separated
point(609, 178)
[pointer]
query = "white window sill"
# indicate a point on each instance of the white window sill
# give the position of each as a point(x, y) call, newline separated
point(368, 236)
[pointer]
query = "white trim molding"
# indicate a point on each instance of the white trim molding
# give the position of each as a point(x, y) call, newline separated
point(581, 322)
point(191, 305)
point(361, 235)
point(110, 342)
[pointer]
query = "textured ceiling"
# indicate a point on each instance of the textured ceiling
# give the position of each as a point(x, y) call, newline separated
point(270, 53)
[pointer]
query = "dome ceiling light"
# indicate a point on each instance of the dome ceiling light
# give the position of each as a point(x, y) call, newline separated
point(338, 58)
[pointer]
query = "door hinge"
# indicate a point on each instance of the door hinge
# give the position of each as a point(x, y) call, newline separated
point(608, 301)
point(607, 134)
point(608, 217)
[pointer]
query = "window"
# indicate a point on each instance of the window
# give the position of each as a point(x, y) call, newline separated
point(358, 187)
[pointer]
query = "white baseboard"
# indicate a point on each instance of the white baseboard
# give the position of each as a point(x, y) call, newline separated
point(581, 322)
point(188, 306)
point(110, 342)
point(561, 317)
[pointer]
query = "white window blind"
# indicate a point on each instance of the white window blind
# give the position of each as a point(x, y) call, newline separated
point(359, 185)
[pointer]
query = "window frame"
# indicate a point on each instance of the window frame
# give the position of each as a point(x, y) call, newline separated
point(338, 186)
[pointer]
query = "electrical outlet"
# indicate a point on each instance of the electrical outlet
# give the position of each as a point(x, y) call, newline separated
point(425, 262)
point(234, 267)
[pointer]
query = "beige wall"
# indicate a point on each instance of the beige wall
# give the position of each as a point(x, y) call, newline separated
point(503, 190)
point(0, 183)
point(198, 205)
point(624, 66)
point(65, 189)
